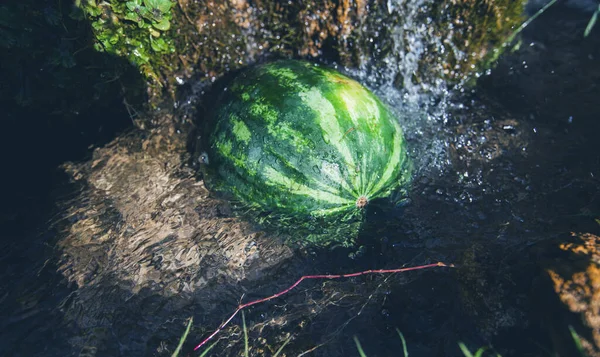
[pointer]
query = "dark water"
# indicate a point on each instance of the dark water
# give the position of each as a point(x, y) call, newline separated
point(501, 170)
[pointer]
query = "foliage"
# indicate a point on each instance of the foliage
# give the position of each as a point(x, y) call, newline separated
point(134, 29)
point(478, 353)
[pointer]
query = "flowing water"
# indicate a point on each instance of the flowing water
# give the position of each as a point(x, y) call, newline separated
point(500, 168)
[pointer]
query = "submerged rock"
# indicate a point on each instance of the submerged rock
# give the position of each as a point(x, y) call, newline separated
point(142, 228)
point(575, 276)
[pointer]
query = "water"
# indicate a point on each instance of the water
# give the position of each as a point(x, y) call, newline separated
point(499, 171)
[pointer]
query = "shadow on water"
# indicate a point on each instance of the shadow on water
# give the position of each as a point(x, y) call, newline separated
point(60, 99)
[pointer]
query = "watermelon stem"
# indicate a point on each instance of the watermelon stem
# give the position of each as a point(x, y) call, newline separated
point(362, 202)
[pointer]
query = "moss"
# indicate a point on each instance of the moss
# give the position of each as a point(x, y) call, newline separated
point(474, 33)
point(207, 38)
point(172, 41)
point(135, 30)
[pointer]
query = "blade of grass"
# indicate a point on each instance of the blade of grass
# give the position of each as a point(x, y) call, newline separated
point(208, 349)
point(465, 350)
point(480, 351)
point(404, 348)
point(592, 22)
point(577, 341)
point(359, 347)
point(526, 23)
point(182, 339)
point(246, 350)
point(282, 346)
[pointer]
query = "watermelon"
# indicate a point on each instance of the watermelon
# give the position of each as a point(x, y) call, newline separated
point(304, 144)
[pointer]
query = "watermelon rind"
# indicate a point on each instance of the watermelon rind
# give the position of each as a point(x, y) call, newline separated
point(305, 148)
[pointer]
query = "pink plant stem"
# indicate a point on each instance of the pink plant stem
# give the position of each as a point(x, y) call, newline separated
point(305, 277)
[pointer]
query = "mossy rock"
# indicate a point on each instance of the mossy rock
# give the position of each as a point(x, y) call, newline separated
point(205, 39)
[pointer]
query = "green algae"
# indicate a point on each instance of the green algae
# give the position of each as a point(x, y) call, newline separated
point(135, 30)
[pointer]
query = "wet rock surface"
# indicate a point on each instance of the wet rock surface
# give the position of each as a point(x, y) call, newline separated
point(575, 275)
point(144, 229)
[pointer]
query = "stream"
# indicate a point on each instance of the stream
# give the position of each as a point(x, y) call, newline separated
point(117, 255)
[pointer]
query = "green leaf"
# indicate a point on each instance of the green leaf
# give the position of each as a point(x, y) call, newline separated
point(133, 5)
point(592, 22)
point(98, 27)
point(154, 32)
point(139, 55)
point(145, 12)
point(93, 11)
point(159, 45)
point(132, 16)
point(113, 39)
point(163, 5)
point(98, 47)
point(163, 25)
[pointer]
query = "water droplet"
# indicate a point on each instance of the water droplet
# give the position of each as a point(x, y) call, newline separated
point(316, 169)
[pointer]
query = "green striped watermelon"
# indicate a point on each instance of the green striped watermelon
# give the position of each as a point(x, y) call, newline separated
point(304, 143)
